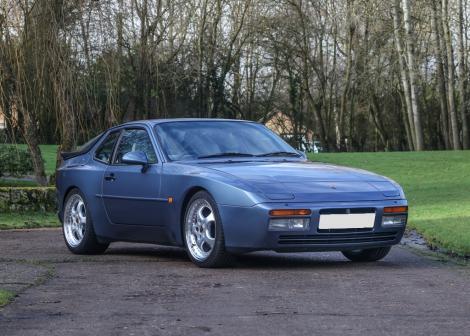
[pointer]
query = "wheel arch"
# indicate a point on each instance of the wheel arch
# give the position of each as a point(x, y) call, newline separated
point(62, 201)
point(187, 196)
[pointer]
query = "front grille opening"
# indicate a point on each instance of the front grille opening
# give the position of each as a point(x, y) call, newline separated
point(338, 238)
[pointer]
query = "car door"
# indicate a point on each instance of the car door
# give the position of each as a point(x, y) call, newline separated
point(131, 194)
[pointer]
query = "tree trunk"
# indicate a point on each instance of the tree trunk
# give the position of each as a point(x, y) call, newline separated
point(412, 75)
point(441, 77)
point(404, 117)
point(451, 76)
point(403, 75)
point(31, 137)
point(462, 80)
point(344, 97)
point(374, 108)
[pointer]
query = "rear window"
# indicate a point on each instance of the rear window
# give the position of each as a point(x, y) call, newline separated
point(81, 149)
point(105, 150)
point(87, 145)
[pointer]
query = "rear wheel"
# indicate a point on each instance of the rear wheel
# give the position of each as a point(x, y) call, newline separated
point(77, 226)
point(373, 254)
point(203, 232)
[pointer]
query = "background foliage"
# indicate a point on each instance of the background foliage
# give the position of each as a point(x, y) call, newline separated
point(360, 75)
point(15, 161)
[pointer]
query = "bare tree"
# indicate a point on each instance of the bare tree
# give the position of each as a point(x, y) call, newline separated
point(412, 75)
point(462, 77)
point(347, 73)
point(450, 75)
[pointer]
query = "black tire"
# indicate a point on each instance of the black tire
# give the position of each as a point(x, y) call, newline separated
point(89, 244)
point(218, 256)
point(367, 255)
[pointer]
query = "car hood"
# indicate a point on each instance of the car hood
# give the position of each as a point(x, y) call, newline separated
point(309, 181)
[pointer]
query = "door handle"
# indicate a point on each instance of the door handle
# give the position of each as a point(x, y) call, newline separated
point(110, 177)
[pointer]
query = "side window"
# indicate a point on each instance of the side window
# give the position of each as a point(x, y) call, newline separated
point(135, 140)
point(105, 150)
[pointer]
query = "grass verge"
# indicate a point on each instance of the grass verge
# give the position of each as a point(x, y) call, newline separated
point(28, 220)
point(17, 183)
point(437, 186)
point(5, 297)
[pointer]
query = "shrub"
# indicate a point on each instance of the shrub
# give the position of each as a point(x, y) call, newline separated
point(14, 199)
point(3, 136)
point(15, 161)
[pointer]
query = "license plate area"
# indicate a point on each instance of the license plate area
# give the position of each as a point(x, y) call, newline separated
point(342, 220)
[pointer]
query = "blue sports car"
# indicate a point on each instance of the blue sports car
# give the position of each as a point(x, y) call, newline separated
point(218, 188)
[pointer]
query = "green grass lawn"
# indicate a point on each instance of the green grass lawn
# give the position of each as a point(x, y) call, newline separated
point(17, 183)
point(28, 220)
point(437, 185)
point(49, 154)
point(5, 297)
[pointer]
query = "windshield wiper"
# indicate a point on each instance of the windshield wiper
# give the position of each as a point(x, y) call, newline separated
point(216, 155)
point(280, 154)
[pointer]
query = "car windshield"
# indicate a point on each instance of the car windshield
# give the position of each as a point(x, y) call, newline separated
point(190, 140)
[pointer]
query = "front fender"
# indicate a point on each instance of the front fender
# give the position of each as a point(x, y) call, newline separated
point(224, 188)
point(178, 181)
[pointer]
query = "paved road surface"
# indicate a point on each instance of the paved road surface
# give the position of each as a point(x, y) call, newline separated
point(151, 290)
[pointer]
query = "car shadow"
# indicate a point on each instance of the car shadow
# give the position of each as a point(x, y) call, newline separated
point(272, 260)
point(163, 252)
point(255, 260)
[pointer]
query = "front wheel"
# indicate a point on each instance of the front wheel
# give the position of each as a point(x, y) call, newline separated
point(77, 226)
point(203, 232)
point(366, 255)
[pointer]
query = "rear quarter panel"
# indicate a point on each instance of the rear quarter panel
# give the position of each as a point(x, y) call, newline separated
point(85, 174)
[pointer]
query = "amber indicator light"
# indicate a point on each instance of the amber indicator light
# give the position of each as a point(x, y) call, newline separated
point(290, 212)
point(398, 209)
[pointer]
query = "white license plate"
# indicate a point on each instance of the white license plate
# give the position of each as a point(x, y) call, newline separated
point(347, 221)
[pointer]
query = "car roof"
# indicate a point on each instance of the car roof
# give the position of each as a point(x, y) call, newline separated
point(160, 121)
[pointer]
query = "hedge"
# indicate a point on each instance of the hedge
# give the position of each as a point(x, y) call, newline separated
point(27, 199)
point(15, 161)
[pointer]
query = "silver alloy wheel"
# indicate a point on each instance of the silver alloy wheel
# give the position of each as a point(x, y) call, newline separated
point(200, 229)
point(74, 220)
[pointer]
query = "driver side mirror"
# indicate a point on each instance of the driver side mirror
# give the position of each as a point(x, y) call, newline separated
point(136, 158)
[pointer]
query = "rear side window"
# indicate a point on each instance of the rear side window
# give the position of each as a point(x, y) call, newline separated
point(135, 140)
point(105, 150)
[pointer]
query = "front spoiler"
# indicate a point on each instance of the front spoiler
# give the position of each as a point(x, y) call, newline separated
point(246, 229)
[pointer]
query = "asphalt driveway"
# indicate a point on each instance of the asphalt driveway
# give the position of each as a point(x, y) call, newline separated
point(151, 290)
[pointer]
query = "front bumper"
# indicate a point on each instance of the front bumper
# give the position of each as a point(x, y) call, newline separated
point(246, 229)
